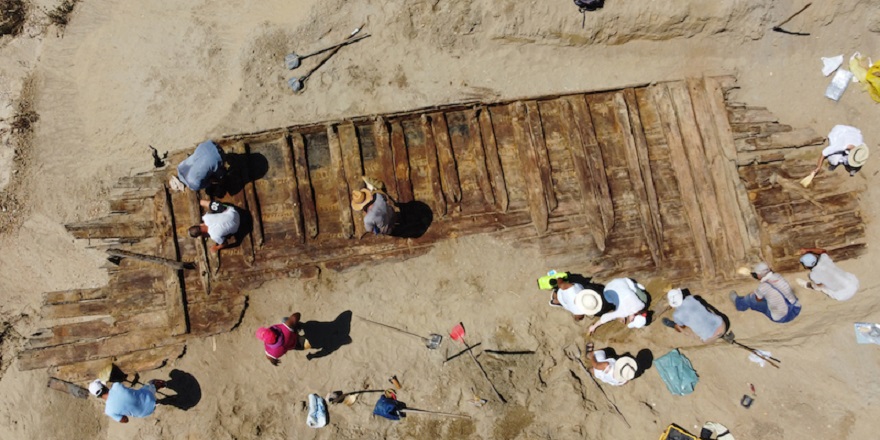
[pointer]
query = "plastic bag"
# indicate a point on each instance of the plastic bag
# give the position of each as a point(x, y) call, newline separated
point(317, 417)
point(677, 373)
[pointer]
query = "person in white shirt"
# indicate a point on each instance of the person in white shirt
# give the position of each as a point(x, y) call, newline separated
point(576, 299)
point(846, 147)
point(629, 301)
point(826, 277)
point(221, 224)
point(613, 371)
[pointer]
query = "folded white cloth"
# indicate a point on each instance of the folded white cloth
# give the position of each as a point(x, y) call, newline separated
point(317, 412)
point(757, 359)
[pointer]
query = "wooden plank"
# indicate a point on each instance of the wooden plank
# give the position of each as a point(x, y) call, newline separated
point(113, 226)
point(304, 185)
point(195, 218)
point(529, 161)
point(596, 164)
point(353, 165)
point(663, 102)
point(576, 146)
point(401, 164)
point(175, 306)
point(719, 165)
point(96, 329)
point(95, 349)
point(385, 154)
point(446, 158)
point(290, 171)
point(342, 190)
point(536, 138)
point(239, 200)
point(212, 317)
point(493, 160)
point(479, 151)
point(253, 203)
point(75, 295)
point(130, 363)
point(439, 201)
point(637, 140)
point(704, 186)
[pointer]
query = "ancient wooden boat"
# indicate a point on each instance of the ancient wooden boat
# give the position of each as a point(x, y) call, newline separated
point(668, 179)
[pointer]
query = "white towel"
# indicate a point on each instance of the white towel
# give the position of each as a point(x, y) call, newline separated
point(317, 412)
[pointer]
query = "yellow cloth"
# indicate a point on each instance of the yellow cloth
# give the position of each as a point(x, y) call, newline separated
point(873, 79)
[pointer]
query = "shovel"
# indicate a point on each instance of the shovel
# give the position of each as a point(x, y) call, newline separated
point(433, 413)
point(297, 84)
point(349, 398)
point(293, 60)
point(729, 337)
point(457, 334)
point(432, 341)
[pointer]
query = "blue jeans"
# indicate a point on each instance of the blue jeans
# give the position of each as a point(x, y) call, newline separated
point(750, 301)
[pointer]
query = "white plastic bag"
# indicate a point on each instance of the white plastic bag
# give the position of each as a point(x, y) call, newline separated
point(317, 417)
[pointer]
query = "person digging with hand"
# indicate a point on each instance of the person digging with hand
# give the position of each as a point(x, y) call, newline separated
point(629, 307)
point(221, 224)
point(121, 402)
point(613, 371)
point(694, 317)
point(826, 277)
point(773, 297)
point(281, 338)
point(379, 213)
point(576, 299)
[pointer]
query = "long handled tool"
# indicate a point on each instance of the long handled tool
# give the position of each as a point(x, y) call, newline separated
point(729, 337)
point(294, 60)
point(576, 356)
point(457, 334)
point(297, 84)
point(432, 341)
point(435, 413)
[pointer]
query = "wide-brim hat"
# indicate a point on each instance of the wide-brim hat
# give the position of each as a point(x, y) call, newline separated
point(587, 302)
point(360, 199)
point(859, 155)
point(625, 368)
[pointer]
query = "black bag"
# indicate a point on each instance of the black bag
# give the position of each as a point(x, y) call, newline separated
point(589, 5)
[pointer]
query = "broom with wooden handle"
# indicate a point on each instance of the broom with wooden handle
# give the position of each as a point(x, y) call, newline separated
point(806, 181)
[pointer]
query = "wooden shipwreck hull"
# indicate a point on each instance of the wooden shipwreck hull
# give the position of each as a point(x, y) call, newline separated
point(666, 180)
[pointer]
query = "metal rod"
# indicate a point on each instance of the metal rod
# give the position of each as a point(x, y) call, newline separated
point(393, 328)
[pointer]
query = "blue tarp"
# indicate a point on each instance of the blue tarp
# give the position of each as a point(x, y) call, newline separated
point(677, 373)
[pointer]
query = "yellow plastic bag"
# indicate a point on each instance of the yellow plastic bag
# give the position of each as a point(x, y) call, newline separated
point(873, 80)
point(859, 66)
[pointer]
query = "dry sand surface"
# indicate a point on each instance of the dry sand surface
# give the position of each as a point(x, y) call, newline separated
point(127, 74)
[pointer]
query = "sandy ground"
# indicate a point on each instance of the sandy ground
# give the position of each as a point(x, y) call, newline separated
point(125, 75)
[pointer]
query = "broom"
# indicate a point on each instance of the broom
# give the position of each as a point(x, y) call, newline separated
point(806, 181)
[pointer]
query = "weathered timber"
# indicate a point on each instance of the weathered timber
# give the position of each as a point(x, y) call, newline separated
point(130, 363)
point(382, 141)
point(304, 185)
point(640, 170)
point(588, 188)
point(718, 164)
point(353, 166)
point(342, 189)
point(401, 164)
point(76, 295)
point(493, 161)
point(479, 150)
point(446, 158)
point(253, 202)
point(663, 101)
point(704, 186)
point(173, 264)
point(95, 329)
point(584, 122)
point(111, 227)
point(175, 292)
point(538, 145)
point(433, 174)
point(195, 218)
point(529, 161)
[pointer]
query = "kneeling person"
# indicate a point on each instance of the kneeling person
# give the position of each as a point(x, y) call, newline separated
point(613, 371)
point(576, 299)
point(826, 277)
point(122, 402)
point(221, 224)
point(690, 314)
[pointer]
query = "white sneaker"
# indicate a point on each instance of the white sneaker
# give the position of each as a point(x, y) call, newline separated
point(803, 283)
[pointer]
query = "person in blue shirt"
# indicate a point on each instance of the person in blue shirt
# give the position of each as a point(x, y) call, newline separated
point(203, 168)
point(121, 402)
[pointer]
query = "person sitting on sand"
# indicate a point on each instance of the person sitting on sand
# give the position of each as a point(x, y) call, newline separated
point(626, 297)
point(691, 315)
point(221, 224)
point(826, 277)
point(576, 299)
point(773, 297)
point(121, 402)
point(845, 147)
point(613, 371)
point(205, 167)
point(281, 338)
point(379, 213)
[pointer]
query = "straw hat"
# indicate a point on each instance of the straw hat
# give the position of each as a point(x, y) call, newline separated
point(360, 199)
point(858, 156)
point(587, 302)
point(625, 368)
point(675, 297)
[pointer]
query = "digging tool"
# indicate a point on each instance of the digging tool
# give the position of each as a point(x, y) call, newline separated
point(435, 413)
point(457, 334)
point(67, 387)
point(504, 352)
point(576, 356)
point(468, 348)
point(729, 337)
point(297, 84)
point(294, 60)
point(432, 341)
point(778, 27)
point(339, 396)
